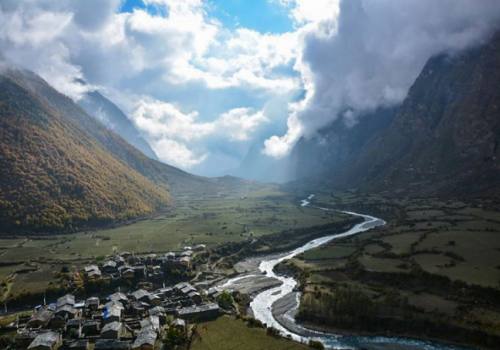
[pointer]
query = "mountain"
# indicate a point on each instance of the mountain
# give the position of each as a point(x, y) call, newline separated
point(443, 140)
point(98, 106)
point(260, 167)
point(61, 169)
point(334, 147)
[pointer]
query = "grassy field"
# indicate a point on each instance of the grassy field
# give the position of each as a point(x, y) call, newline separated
point(227, 333)
point(435, 262)
point(30, 264)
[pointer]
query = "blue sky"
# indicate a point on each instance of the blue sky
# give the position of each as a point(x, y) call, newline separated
point(261, 15)
point(207, 82)
point(265, 16)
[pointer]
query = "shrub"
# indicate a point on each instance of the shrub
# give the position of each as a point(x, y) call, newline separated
point(315, 344)
point(273, 332)
point(225, 300)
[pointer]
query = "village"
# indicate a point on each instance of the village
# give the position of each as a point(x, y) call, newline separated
point(149, 315)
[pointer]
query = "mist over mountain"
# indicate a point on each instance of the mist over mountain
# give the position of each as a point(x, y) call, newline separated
point(443, 139)
point(98, 106)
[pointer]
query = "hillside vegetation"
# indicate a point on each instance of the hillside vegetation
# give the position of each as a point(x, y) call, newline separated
point(54, 175)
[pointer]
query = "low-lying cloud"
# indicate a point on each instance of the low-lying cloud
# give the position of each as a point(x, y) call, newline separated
point(370, 54)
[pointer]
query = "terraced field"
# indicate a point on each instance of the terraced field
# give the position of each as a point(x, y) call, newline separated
point(437, 262)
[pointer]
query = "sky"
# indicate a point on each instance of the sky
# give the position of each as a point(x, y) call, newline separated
point(207, 82)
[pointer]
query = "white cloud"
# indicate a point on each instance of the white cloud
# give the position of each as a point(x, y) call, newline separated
point(176, 153)
point(160, 119)
point(307, 11)
point(374, 55)
point(166, 125)
point(239, 123)
point(192, 74)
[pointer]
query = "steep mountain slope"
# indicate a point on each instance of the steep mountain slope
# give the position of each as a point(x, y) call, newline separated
point(98, 106)
point(61, 169)
point(54, 174)
point(179, 182)
point(444, 138)
point(334, 147)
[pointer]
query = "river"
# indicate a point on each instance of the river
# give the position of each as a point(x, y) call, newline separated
point(285, 294)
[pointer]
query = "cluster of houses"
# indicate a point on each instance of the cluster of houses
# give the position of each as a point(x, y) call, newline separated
point(132, 321)
point(135, 320)
point(128, 266)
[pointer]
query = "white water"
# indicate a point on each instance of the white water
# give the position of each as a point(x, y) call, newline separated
point(261, 305)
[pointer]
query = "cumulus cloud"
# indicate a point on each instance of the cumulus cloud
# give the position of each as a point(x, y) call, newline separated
point(202, 93)
point(306, 11)
point(372, 53)
point(176, 153)
point(169, 128)
point(152, 60)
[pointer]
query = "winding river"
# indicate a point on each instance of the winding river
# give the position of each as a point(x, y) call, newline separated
point(263, 303)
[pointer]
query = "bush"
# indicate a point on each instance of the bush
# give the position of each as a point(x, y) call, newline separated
point(225, 300)
point(273, 332)
point(174, 337)
point(252, 322)
point(314, 344)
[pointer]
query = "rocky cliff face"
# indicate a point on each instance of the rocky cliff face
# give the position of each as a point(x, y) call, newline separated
point(443, 139)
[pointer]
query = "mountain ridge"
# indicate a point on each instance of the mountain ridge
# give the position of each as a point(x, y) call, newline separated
point(108, 113)
point(443, 139)
point(62, 170)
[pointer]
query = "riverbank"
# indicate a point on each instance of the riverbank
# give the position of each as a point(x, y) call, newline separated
point(429, 274)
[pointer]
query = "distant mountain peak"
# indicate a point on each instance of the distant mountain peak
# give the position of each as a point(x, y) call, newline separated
point(108, 113)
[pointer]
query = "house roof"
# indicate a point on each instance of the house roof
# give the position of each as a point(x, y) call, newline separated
point(151, 322)
point(188, 289)
point(193, 293)
point(66, 308)
point(43, 316)
point(94, 273)
point(111, 304)
point(157, 310)
point(90, 268)
point(145, 337)
point(185, 259)
point(113, 310)
point(187, 253)
point(182, 285)
point(47, 339)
point(67, 299)
point(112, 326)
point(137, 305)
point(198, 309)
point(110, 263)
point(118, 297)
point(139, 294)
point(92, 301)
